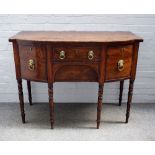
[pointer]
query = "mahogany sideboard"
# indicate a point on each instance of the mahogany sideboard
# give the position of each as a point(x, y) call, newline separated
point(72, 56)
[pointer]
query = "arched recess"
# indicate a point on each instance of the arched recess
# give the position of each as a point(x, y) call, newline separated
point(88, 73)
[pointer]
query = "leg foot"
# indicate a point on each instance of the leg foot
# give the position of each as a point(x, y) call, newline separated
point(98, 124)
point(129, 99)
point(121, 92)
point(29, 91)
point(23, 118)
point(127, 118)
point(99, 105)
point(21, 99)
point(52, 127)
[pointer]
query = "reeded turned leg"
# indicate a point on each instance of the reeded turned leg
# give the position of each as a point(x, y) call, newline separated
point(51, 104)
point(121, 92)
point(29, 91)
point(129, 99)
point(99, 105)
point(21, 99)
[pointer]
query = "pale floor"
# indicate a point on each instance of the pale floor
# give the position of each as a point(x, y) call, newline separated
point(77, 122)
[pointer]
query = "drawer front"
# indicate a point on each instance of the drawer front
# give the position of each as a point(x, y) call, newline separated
point(76, 54)
point(32, 61)
point(118, 62)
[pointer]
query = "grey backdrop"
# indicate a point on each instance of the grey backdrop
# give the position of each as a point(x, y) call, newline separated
point(143, 25)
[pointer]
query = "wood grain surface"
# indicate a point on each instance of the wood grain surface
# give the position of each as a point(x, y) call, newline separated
point(76, 36)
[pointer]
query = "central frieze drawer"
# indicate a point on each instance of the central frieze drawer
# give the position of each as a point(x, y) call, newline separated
point(76, 54)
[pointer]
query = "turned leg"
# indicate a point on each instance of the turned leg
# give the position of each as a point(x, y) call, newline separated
point(129, 99)
point(51, 104)
point(99, 106)
point(21, 99)
point(29, 91)
point(121, 92)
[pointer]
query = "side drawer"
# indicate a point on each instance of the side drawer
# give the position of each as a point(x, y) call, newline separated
point(33, 61)
point(118, 62)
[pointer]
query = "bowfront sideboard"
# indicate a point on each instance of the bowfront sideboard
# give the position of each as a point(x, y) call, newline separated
point(72, 56)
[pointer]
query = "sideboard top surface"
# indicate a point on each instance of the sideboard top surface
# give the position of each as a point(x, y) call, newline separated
point(76, 36)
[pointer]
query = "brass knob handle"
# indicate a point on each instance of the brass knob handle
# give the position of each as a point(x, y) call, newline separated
point(31, 65)
point(30, 49)
point(120, 65)
point(62, 55)
point(90, 55)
